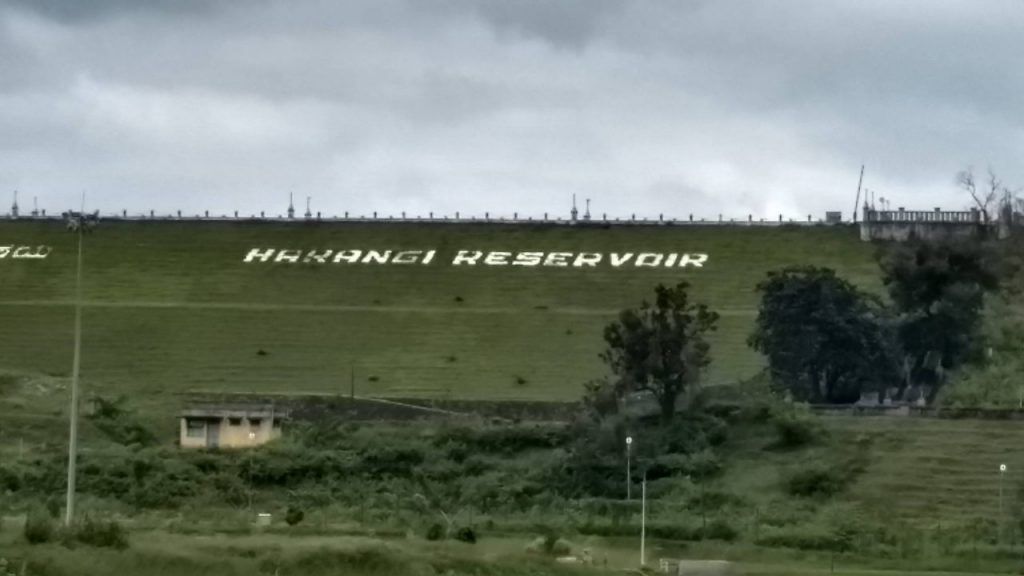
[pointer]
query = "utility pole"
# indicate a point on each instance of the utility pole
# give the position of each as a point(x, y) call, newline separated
point(69, 513)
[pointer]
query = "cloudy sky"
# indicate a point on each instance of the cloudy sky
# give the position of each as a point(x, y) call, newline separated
point(646, 107)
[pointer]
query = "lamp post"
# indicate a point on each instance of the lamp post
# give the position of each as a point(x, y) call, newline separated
point(1002, 472)
point(643, 521)
point(629, 478)
point(76, 362)
point(252, 436)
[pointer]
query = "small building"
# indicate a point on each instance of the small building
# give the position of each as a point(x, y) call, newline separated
point(229, 426)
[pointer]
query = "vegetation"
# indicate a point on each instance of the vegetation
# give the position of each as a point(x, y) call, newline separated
point(826, 340)
point(660, 348)
point(938, 293)
point(736, 471)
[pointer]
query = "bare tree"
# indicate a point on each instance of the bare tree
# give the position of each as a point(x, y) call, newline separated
point(990, 197)
point(984, 200)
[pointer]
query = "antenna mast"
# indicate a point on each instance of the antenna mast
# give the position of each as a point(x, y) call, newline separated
point(856, 203)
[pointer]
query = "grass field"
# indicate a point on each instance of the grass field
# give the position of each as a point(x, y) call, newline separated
point(171, 306)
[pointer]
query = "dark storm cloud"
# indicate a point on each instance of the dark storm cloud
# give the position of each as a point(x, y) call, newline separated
point(646, 107)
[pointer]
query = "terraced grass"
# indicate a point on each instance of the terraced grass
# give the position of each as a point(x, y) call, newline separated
point(171, 306)
point(937, 470)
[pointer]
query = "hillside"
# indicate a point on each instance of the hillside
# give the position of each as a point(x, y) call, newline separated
point(172, 306)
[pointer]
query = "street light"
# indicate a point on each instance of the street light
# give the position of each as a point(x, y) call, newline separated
point(252, 436)
point(629, 477)
point(643, 522)
point(69, 512)
point(1002, 471)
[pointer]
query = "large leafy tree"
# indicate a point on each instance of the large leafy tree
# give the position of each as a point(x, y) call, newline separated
point(660, 347)
point(825, 339)
point(938, 293)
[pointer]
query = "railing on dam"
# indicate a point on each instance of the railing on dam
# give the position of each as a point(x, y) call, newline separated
point(451, 218)
point(928, 216)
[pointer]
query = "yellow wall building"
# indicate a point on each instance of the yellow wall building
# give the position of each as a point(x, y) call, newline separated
point(229, 426)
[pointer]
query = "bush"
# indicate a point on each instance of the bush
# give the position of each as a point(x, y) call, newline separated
point(101, 534)
point(796, 429)
point(39, 528)
point(817, 480)
point(435, 532)
point(719, 530)
point(800, 539)
point(466, 534)
point(293, 515)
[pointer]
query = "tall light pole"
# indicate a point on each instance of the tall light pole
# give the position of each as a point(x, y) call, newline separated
point(1002, 471)
point(629, 477)
point(69, 513)
point(643, 522)
point(252, 437)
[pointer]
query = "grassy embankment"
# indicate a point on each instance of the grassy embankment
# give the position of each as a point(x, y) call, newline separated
point(172, 307)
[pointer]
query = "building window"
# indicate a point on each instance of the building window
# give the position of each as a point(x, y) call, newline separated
point(255, 422)
point(195, 428)
point(234, 421)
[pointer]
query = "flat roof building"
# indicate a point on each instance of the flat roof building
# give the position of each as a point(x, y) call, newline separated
point(229, 426)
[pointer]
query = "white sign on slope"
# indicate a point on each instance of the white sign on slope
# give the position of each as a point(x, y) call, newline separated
point(24, 252)
point(469, 258)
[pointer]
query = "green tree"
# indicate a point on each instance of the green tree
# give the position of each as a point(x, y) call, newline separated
point(938, 294)
point(661, 347)
point(825, 340)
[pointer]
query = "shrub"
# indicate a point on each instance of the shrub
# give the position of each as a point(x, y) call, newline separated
point(435, 532)
point(39, 528)
point(795, 429)
point(294, 515)
point(800, 539)
point(466, 534)
point(719, 530)
point(101, 534)
point(817, 480)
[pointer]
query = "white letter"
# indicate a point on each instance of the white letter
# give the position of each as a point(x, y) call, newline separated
point(4, 251)
point(528, 259)
point(671, 260)
point(586, 259)
point(497, 258)
point(407, 257)
point(427, 259)
point(649, 259)
point(378, 257)
point(620, 259)
point(697, 260)
point(467, 257)
point(27, 252)
point(557, 258)
point(349, 256)
point(254, 255)
point(314, 256)
point(288, 256)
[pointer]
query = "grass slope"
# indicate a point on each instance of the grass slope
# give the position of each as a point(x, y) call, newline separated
point(171, 306)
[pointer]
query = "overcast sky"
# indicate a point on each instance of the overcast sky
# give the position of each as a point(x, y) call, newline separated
point(645, 107)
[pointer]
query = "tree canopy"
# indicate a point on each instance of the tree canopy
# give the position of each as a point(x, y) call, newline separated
point(937, 292)
point(660, 347)
point(825, 339)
